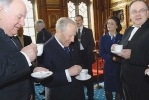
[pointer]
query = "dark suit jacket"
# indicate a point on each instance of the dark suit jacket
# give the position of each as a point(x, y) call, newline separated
point(27, 40)
point(43, 36)
point(133, 68)
point(88, 45)
point(14, 73)
point(57, 60)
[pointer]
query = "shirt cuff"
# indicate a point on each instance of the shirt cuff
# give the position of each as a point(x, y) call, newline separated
point(28, 60)
point(68, 76)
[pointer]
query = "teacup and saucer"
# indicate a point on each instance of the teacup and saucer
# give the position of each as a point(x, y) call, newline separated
point(83, 75)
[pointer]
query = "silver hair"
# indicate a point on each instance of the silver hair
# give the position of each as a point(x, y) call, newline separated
point(40, 22)
point(62, 23)
point(5, 4)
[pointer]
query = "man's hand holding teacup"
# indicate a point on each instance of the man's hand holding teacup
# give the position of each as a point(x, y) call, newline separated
point(125, 53)
point(30, 51)
point(74, 70)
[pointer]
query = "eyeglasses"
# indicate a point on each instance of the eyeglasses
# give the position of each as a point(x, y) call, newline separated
point(141, 11)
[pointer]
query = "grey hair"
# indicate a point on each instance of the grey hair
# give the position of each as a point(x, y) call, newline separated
point(40, 22)
point(5, 4)
point(62, 23)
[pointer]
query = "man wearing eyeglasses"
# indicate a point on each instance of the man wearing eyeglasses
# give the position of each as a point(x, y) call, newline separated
point(135, 53)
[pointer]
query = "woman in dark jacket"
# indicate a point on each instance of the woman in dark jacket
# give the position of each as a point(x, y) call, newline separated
point(111, 66)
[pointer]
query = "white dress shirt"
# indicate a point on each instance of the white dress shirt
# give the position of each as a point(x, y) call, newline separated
point(133, 32)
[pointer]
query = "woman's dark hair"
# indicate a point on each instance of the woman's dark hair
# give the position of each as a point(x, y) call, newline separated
point(117, 20)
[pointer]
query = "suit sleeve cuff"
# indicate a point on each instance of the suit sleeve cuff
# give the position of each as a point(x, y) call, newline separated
point(68, 76)
point(28, 60)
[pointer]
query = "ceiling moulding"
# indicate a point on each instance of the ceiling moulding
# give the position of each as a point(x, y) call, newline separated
point(120, 3)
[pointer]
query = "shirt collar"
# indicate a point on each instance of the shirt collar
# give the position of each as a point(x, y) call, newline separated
point(81, 28)
point(58, 41)
point(111, 35)
point(136, 27)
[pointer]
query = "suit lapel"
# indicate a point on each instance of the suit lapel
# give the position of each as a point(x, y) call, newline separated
point(11, 46)
point(71, 55)
point(126, 37)
point(83, 33)
point(60, 51)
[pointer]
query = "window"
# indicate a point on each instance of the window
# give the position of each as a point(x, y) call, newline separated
point(29, 21)
point(83, 12)
point(75, 8)
point(71, 10)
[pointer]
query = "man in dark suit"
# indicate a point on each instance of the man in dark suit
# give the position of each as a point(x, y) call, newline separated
point(43, 34)
point(14, 63)
point(85, 41)
point(61, 57)
point(24, 39)
point(136, 53)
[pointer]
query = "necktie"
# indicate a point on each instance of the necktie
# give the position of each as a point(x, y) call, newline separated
point(79, 37)
point(66, 49)
point(113, 39)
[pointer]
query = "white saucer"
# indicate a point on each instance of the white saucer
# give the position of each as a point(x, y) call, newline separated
point(78, 77)
point(115, 52)
point(41, 74)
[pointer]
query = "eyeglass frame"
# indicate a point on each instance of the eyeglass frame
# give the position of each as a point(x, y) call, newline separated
point(141, 11)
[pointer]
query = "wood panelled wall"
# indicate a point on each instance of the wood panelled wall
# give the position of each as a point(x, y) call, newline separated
point(51, 10)
point(101, 13)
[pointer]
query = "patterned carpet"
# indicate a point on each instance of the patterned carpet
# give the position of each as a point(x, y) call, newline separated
point(99, 94)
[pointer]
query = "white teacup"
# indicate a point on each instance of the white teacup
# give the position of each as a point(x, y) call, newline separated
point(118, 48)
point(83, 74)
point(40, 49)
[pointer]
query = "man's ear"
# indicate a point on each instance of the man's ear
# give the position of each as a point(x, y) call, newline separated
point(1, 12)
point(58, 31)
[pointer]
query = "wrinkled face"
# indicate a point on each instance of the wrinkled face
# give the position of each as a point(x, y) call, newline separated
point(111, 25)
point(79, 21)
point(13, 19)
point(138, 13)
point(67, 36)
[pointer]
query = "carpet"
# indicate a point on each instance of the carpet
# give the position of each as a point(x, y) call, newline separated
point(99, 94)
